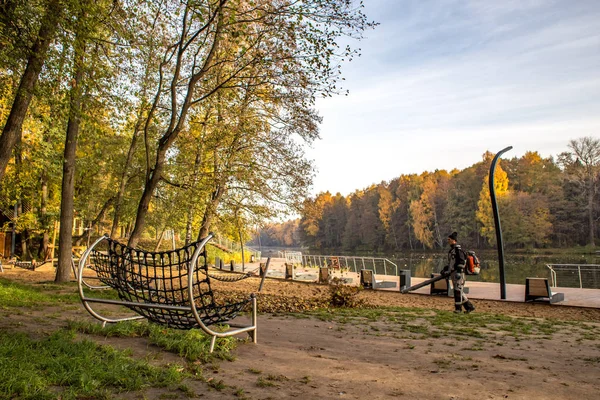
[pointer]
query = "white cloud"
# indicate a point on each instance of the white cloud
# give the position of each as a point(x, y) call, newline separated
point(443, 81)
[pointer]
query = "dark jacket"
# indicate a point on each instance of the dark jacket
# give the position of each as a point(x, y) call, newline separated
point(456, 258)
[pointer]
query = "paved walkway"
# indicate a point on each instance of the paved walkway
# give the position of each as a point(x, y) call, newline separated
point(491, 291)
point(477, 290)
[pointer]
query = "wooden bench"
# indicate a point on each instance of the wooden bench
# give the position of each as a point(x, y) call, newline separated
point(368, 281)
point(539, 289)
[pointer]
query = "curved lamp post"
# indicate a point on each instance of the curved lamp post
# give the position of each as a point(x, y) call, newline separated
point(499, 242)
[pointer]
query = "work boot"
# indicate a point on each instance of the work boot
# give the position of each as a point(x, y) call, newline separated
point(457, 309)
point(469, 307)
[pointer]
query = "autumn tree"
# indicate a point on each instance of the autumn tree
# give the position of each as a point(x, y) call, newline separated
point(582, 169)
point(405, 189)
point(427, 210)
point(312, 215)
point(540, 205)
point(525, 219)
point(36, 56)
point(387, 207)
point(484, 205)
point(333, 222)
point(225, 44)
point(352, 238)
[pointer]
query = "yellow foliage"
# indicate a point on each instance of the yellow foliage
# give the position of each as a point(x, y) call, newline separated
point(484, 205)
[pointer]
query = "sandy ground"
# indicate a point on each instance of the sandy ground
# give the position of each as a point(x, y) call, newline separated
point(341, 358)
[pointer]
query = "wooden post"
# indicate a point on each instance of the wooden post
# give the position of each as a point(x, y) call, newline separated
point(56, 225)
point(324, 275)
point(289, 271)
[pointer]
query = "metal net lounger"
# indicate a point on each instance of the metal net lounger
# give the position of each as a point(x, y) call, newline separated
point(170, 288)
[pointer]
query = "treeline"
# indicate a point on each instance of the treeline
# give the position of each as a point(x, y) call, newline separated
point(285, 234)
point(135, 117)
point(543, 203)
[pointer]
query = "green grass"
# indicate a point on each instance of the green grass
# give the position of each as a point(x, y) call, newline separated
point(17, 295)
point(14, 294)
point(59, 366)
point(192, 344)
point(445, 324)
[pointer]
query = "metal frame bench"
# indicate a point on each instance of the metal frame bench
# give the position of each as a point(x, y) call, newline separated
point(171, 288)
point(539, 289)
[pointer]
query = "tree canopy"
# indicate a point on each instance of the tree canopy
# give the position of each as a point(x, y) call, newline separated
point(542, 203)
point(138, 116)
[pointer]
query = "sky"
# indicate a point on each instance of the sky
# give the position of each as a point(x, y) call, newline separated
point(440, 82)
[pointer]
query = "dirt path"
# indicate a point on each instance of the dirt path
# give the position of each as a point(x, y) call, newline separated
point(322, 360)
point(408, 355)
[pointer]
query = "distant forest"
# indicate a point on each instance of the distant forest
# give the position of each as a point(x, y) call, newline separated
point(543, 202)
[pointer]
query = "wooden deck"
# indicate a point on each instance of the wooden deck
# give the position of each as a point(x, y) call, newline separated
point(491, 291)
point(477, 290)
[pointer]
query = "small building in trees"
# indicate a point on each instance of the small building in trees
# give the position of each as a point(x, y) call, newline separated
point(5, 234)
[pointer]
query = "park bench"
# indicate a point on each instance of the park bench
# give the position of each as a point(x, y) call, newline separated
point(368, 281)
point(171, 288)
point(539, 289)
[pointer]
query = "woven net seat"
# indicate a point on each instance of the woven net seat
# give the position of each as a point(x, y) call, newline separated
point(170, 288)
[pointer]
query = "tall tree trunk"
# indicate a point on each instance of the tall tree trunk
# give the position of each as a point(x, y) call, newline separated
point(210, 212)
point(14, 123)
point(206, 222)
point(65, 244)
point(43, 251)
point(436, 229)
point(144, 205)
point(121, 193)
point(195, 177)
point(188, 226)
point(395, 236)
point(19, 207)
point(591, 221)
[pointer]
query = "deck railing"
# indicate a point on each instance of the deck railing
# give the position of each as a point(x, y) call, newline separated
point(575, 275)
point(380, 266)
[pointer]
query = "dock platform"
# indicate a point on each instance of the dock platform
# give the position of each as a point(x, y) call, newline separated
point(477, 290)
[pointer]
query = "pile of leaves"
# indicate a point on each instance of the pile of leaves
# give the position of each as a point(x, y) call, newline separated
point(342, 295)
point(336, 295)
point(275, 303)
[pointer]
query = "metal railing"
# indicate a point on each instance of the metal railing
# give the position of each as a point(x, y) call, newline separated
point(587, 275)
point(293, 257)
point(235, 246)
point(380, 266)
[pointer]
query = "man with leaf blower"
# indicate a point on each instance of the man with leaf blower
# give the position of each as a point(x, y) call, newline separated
point(455, 269)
